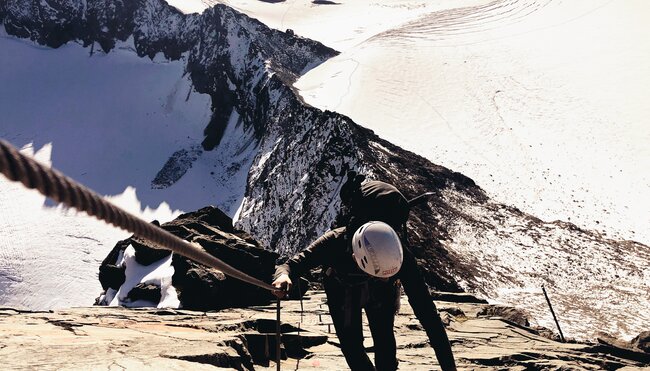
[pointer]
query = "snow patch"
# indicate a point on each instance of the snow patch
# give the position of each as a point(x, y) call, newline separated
point(158, 273)
point(189, 6)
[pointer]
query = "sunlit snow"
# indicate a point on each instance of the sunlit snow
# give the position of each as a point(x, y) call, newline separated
point(158, 273)
point(109, 121)
point(543, 104)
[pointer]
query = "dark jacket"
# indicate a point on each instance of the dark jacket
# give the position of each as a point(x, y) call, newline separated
point(332, 253)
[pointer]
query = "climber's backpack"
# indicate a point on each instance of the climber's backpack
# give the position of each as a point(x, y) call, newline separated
point(374, 200)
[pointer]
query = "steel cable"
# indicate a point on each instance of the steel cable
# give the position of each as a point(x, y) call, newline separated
point(60, 188)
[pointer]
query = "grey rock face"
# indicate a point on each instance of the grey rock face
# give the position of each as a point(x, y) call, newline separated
point(160, 28)
point(108, 21)
point(642, 341)
point(51, 23)
point(174, 169)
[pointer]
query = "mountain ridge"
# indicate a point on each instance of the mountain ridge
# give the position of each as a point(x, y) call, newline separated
point(464, 241)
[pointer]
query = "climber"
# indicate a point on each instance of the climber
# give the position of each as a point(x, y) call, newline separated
point(364, 264)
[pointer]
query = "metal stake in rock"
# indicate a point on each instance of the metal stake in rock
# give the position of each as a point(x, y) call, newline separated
point(553, 313)
point(278, 336)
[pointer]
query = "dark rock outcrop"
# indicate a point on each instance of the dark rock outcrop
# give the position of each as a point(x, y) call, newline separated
point(642, 341)
point(510, 314)
point(175, 167)
point(144, 254)
point(146, 292)
point(111, 276)
point(107, 22)
point(199, 287)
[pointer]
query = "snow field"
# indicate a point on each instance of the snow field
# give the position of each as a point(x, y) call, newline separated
point(543, 103)
point(109, 121)
point(544, 111)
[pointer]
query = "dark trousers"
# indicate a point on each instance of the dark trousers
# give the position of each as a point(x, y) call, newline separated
point(379, 300)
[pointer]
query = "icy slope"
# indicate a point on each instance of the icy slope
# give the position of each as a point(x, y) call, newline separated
point(543, 103)
point(595, 284)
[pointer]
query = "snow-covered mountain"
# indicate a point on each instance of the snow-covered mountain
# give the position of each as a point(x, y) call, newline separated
point(213, 117)
point(542, 102)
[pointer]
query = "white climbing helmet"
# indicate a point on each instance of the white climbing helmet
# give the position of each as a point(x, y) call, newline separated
point(377, 249)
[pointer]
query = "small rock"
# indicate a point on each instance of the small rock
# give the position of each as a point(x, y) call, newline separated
point(111, 276)
point(454, 311)
point(511, 314)
point(146, 292)
point(642, 341)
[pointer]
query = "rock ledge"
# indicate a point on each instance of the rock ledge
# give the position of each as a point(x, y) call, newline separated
point(243, 339)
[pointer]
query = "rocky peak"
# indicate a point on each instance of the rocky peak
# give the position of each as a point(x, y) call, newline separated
point(159, 28)
point(234, 60)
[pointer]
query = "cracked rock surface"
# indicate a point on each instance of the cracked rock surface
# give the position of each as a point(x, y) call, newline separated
point(114, 338)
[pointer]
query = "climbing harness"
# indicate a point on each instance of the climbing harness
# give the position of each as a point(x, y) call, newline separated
point(55, 185)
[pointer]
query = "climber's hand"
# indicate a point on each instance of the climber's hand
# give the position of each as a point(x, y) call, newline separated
point(283, 284)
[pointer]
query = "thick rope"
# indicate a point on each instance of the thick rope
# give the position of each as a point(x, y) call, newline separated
point(53, 184)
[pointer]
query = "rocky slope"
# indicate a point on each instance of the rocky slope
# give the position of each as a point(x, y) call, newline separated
point(464, 240)
point(243, 339)
point(136, 274)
